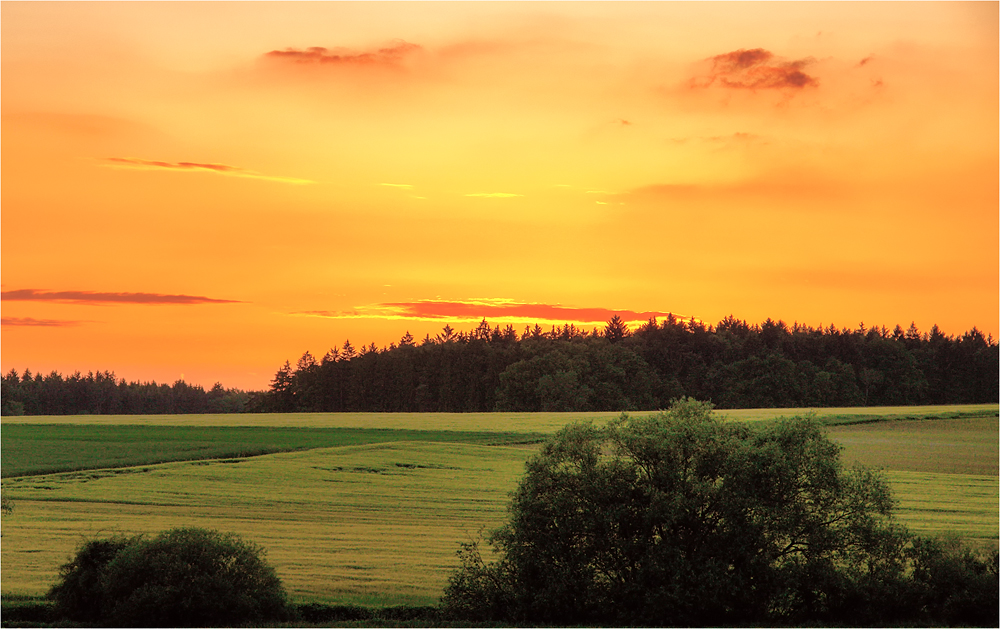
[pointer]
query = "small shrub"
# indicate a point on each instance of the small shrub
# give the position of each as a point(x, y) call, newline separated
point(26, 611)
point(409, 613)
point(316, 613)
point(182, 577)
point(6, 505)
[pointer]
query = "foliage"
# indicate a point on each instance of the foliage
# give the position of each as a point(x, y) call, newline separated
point(25, 611)
point(734, 364)
point(683, 519)
point(80, 593)
point(181, 577)
point(953, 585)
point(102, 393)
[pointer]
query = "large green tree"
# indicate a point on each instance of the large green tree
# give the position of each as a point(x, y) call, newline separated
point(682, 518)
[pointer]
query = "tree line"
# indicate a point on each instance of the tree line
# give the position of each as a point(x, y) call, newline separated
point(733, 364)
point(102, 393)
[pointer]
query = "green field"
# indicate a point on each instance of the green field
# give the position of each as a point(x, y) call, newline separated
point(31, 449)
point(369, 509)
point(486, 422)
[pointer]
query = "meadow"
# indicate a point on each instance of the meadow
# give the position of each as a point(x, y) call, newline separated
point(47, 448)
point(369, 509)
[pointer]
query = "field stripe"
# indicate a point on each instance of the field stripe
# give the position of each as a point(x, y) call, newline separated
point(483, 422)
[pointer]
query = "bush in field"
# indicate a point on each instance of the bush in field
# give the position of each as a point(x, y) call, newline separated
point(79, 594)
point(182, 577)
point(953, 586)
point(684, 519)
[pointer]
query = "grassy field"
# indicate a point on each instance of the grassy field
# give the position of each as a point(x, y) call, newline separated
point(372, 524)
point(374, 515)
point(31, 449)
point(487, 422)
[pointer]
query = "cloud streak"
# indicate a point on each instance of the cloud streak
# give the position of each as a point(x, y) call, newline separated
point(90, 297)
point(492, 309)
point(317, 55)
point(494, 195)
point(756, 69)
point(37, 323)
point(219, 169)
point(780, 185)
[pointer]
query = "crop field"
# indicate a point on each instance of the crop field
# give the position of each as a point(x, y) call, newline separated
point(377, 523)
point(487, 422)
point(370, 509)
point(38, 449)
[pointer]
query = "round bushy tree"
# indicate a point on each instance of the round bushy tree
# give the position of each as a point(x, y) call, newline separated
point(182, 577)
point(79, 594)
point(682, 519)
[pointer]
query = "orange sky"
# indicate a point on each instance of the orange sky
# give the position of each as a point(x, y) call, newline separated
point(207, 190)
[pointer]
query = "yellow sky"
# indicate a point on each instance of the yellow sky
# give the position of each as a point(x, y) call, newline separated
point(209, 189)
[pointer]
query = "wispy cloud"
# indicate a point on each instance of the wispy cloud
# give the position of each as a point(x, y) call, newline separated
point(494, 195)
point(397, 185)
point(37, 323)
point(501, 310)
point(318, 55)
point(777, 186)
point(219, 169)
point(90, 297)
point(756, 69)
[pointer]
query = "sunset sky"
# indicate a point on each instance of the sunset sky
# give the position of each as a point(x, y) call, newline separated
point(206, 190)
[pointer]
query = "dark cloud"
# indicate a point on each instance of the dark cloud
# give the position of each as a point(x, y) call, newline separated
point(89, 297)
point(865, 61)
point(38, 323)
point(756, 69)
point(342, 56)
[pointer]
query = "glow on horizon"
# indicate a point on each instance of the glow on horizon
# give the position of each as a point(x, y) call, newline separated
point(214, 188)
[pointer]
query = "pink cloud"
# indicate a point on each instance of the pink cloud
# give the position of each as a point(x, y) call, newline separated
point(491, 309)
point(127, 161)
point(38, 323)
point(90, 297)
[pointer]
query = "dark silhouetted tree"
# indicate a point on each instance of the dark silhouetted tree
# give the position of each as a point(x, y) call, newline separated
point(616, 329)
point(680, 519)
